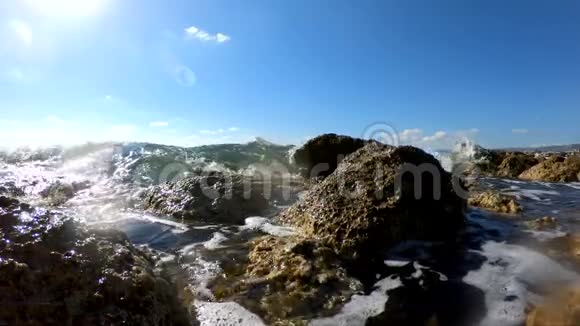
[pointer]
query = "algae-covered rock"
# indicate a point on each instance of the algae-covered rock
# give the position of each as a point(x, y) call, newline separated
point(320, 156)
point(214, 197)
point(374, 200)
point(555, 169)
point(290, 279)
point(495, 201)
point(54, 271)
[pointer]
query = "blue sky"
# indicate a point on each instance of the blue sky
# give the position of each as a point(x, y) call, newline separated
point(505, 73)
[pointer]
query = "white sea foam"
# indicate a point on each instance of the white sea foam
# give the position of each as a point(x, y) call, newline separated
point(216, 241)
point(507, 277)
point(263, 224)
point(225, 314)
point(361, 307)
point(534, 194)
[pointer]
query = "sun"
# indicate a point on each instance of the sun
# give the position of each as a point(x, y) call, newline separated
point(68, 8)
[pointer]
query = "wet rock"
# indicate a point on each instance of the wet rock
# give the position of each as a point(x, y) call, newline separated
point(543, 223)
point(369, 204)
point(55, 271)
point(495, 201)
point(289, 279)
point(555, 169)
point(502, 164)
point(428, 298)
point(514, 163)
point(10, 189)
point(60, 192)
point(213, 197)
point(562, 308)
point(320, 156)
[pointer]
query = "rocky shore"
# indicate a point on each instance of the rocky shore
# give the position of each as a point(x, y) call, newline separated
point(346, 222)
point(354, 206)
point(548, 167)
point(54, 271)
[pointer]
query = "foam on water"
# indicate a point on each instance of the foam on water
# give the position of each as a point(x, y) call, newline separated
point(216, 241)
point(263, 224)
point(225, 314)
point(361, 307)
point(509, 277)
point(534, 194)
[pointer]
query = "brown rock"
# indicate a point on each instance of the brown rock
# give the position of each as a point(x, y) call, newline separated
point(288, 279)
point(216, 197)
point(562, 308)
point(357, 212)
point(53, 271)
point(555, 169)
point(543, 223)
point(320, 156)
point(495, 201)
point(514, 163)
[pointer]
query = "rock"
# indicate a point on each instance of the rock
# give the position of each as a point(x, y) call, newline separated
point(55, 271)
point(495, 201)
point(359, 212)
point(429, 298)
point(287, 279)
point(514, 163)
point(555, 169)
point(483, 162)
point(213, 197)
point(543, 223)
point(58, 193)
point(562, 308)
point(320, 156)
point(11, 189)
point(495, 163)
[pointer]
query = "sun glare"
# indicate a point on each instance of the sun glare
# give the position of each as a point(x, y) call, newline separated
point(68, 8)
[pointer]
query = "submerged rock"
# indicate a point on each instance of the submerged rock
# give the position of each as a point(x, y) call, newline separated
point(215, 197)
point(55, 271)
point(59, 192)
point(10, 189)
point(495, 201)
point(562, 308)
point(320, 156)
point(543, 223)
point(370, 203)
point(289, 279)
point(555, 169)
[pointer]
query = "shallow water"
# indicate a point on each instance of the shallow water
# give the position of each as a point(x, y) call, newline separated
point(501, 268)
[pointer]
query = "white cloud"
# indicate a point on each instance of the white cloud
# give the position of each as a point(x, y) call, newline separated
point(204, 36)
point(158, 124)
point(438, 140)
point(410, 135)
point(22, 31)
point(192, 30)
point(234, 129)
point(221, 38)
point(439, 135)
point(108, 97)
point(520, 131)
